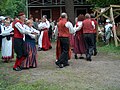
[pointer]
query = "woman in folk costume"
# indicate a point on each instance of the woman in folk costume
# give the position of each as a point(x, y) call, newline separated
point(43, 41)
point(31, 60)
point(79, 44)
point(7, 35)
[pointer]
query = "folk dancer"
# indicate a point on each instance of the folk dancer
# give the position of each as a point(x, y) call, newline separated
point(19, 46)
point(79, 43)
point(95, 32)
point(63, 44)
point(7, 34)
point(43, 41)
point(32, 59)
point(88, 28)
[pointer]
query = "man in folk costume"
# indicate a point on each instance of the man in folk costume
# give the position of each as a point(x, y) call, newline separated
point(95, 33)
point(19, 46)
point(88, 28)
point(43, 41)
point(64, 29)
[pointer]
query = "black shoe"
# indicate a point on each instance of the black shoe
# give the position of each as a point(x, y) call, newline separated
point(60, 65)
point(81, 57)
point(20, 67)
point(40, 49)
point(88, 58)
point(95, 53)
point(50, 47)
point(66, 65)
point(17, 69)
point(75, 56)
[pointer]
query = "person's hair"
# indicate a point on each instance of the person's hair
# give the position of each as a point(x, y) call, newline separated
point(45, 16)
point(81, 17)
point(87, 15)
point(63, 15)
point(28, 22)
point(8, 17)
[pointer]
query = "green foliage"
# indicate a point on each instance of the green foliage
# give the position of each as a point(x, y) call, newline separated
point(104, 3)
point(11, 7)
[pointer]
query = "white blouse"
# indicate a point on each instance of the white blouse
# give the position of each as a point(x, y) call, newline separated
point(31, 29)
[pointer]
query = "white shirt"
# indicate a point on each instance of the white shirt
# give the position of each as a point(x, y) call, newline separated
point(93, 24)
point(6, 30)
point(32, 30)
point(77, 28)
point(22, 29)
point(52, 24)
point(107, 27)
point(44, 25)
point(2, 29)
point(56, 31)
point(70, 27)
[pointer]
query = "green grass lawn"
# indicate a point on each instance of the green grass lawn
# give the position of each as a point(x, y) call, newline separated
point(109, 49)
point(10, 80)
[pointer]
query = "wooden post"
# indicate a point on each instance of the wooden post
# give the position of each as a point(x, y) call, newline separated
point(97, 28)
point(114, 29)
point(27, 8)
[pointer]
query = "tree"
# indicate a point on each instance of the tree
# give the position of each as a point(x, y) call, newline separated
point(11, 7)
point(69, 7)
point(103, 3)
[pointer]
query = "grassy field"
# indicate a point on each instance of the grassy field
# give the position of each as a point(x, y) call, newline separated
point(109, 49)
point(39, 79)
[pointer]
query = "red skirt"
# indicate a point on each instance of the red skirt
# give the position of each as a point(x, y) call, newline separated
point(71, 40)
point(45, 41)
point(79, 44)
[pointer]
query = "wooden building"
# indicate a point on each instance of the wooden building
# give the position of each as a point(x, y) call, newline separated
point(53, 8)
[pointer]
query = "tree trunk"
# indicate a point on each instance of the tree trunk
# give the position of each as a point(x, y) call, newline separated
point(69, 7)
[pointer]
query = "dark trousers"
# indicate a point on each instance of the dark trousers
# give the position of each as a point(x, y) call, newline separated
point(64, 43)
point(19, 48)
point(95, 49)
point(89, 43)
point(50, 35)
point(20, 51)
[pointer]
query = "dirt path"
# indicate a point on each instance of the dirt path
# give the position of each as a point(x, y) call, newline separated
point(103, 73)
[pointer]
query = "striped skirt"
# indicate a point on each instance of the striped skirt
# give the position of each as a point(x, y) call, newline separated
point(32, 59)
